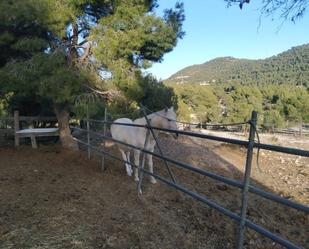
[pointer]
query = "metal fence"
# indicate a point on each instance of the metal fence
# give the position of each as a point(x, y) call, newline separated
point(244, 185)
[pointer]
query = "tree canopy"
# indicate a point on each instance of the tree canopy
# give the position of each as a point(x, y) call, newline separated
point(65, 49)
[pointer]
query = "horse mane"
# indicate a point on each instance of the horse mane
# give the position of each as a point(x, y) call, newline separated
point(143, 121)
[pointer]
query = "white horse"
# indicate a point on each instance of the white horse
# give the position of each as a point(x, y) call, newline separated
point(137, 135)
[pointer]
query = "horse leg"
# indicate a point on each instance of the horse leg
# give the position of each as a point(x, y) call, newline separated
point(128, 167)
point(129, 164)
point(150, 165)
point(136, 162)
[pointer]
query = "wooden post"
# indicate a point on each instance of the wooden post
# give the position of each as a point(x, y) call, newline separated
point(16, 127)
point(33, 142)
point(104, 133)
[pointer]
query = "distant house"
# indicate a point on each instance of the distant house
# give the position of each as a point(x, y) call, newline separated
point(181, 79)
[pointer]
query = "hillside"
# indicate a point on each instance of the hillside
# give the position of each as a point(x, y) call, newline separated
point(289, 67)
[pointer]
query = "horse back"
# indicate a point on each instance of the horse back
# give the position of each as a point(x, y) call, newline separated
point(122, 132)
point(130, 134)
point(123, 121)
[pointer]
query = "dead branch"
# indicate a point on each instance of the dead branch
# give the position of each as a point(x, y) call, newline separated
point(108, 95)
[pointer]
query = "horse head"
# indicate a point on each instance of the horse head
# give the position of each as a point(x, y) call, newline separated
point(169, 121)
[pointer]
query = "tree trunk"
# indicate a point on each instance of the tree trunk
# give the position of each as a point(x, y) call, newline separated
point(63, 114)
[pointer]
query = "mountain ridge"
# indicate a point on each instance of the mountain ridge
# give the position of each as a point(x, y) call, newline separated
point(290, 66)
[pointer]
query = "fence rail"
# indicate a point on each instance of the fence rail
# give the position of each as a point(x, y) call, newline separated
point(245, 185)
point(207, 173)
point(7, 123)
point(271, 147)
point(31, 119)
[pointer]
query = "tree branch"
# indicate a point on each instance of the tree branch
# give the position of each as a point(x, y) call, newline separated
point(86, 52)
point(83, 42)
point(108, 95)
point(288, 9)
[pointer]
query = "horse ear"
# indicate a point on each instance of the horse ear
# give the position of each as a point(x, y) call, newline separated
point(165, 109)
point(172, 108)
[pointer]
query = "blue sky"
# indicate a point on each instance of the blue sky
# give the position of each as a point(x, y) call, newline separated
point(212, 30)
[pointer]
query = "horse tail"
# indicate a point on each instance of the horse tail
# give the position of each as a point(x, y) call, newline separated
point(109, 143)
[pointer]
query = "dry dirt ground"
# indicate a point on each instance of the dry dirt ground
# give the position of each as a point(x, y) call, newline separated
point(51, 198)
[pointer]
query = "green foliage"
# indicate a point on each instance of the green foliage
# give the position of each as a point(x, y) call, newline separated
point(43, 75)
point(30, 105)
point(55, 49)
point(28, 26)
point(229, 89)
point(197, 101)
point(121, 107)
point(3, 106)
point(28, 45)
point(273, 119)
point(156, 95)
point(2, 109)
point(275, 105)
point(183, 111)
point(240, 102)
point(131, 39)
point(93, 107)
point(153, 94)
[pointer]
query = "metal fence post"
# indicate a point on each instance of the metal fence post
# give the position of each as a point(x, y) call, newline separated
point(16, 127)
point(141, 172)
point(245, 185)
point(88, 134)
point(104, 133)
point(158, 145)
point(244, 205)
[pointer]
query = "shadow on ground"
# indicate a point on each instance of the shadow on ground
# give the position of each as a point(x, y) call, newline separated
point(52, 198)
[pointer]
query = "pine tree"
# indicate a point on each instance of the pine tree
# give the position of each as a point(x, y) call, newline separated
point(62, 49)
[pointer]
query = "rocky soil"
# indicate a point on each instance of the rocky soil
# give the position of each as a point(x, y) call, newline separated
point(51, 198)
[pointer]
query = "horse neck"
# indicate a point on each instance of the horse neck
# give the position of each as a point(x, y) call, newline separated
point(151, 117)
point(140, 121)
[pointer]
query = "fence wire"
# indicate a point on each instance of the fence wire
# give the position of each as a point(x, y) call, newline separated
point(242, 219)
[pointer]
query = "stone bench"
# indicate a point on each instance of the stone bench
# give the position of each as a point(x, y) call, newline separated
point(37, 132)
